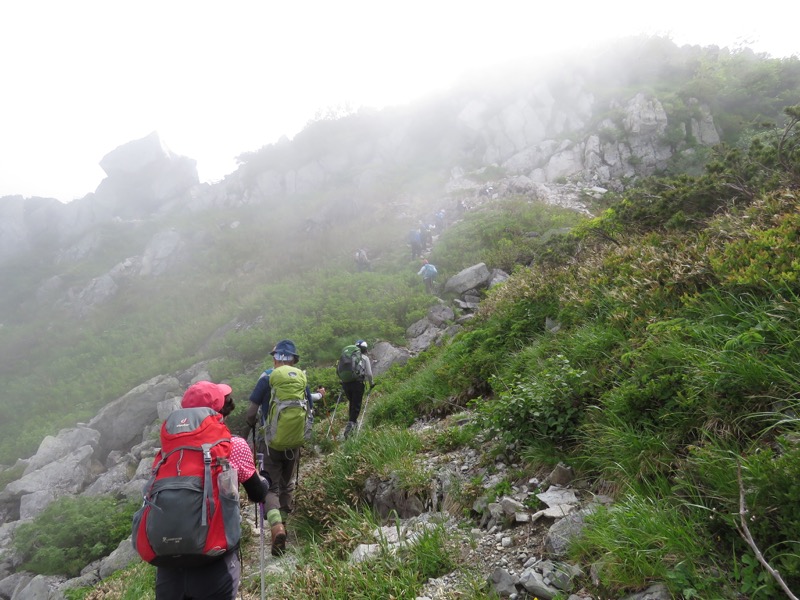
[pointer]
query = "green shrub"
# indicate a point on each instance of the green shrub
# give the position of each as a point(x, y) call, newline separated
point(543, 406)
point(72, 532)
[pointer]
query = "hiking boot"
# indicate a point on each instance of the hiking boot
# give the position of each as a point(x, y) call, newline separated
point(278, 532)
point(348, 429)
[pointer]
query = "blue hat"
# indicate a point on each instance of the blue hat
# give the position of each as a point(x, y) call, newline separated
point(285, 351)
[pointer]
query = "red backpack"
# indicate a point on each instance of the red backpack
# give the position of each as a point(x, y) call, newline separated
point(190, 515)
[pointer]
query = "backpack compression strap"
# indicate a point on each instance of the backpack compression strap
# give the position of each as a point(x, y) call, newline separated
point(271, 428)
point(208, 487)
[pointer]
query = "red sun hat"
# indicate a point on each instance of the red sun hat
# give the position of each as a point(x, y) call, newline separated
point(206, 393)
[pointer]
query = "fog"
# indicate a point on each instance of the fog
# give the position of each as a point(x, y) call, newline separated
point(217, 80)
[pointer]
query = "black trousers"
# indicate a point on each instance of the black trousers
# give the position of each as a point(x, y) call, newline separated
point(354, 392)
point(218, 580)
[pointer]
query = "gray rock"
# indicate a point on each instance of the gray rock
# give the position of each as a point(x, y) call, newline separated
point(161, 253)
point(387, 497)
point(39, 588)
point(53, 448)
point(68, 474)
point(555, 496)
point(13, 582)
point(534, 583)
point(440, 314)
point(657, 591)
point(503, 582)
point(30, 505)
point(119, 559)
point(564, 530)
point(498, 276)
point(561, 475)
point(476, 276)
point(383, 355)
point(510, 506)
point(121, 422)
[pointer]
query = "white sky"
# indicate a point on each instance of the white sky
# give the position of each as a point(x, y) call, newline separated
point(219, 78)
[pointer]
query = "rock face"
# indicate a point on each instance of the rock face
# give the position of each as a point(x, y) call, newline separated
point(544, 131)
point(143, 175)
point(121, 422)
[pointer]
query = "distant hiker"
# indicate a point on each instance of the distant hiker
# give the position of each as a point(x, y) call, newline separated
point(177, 507)
point(427, 236)
point(286, 405)
point(428, 273)
point(461, 208)
point(362, 260)
point(440, 222)
point(354, 370)
point(415, 239)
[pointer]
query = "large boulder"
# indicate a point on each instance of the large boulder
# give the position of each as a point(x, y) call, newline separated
point(135, 156)
point(121, 422)
point(68, 475)
point(383, 355)
point(67, 441)
point(473, 277)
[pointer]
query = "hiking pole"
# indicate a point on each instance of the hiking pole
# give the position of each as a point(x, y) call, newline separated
point(364, 409)
point(297, 473)
point(257, 460)
point(333, 415)
point(261, 518)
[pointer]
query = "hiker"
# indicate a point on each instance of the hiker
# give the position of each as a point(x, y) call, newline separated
point(428, 273)
point(218, 579)
point(440, 221)
point(354, 377)
point(362, 261)
point(427, 236)
point(415, 239)
point(280, 461)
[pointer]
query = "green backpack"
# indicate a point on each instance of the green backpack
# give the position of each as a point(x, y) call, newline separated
point(350, 366)
point(288, 409)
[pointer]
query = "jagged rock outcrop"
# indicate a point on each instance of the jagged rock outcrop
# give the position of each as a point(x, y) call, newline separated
point(538, 131)
point(143, 174)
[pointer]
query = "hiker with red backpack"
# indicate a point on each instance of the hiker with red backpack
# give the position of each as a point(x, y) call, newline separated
point(189, 525)
point(355, 372)
point(286, 405)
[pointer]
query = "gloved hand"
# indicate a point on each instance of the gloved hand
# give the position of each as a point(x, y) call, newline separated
point(265, 479)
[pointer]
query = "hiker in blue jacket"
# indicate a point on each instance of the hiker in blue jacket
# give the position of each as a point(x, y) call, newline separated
point(415, 239)
point(428, 273)
point(279, 465)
